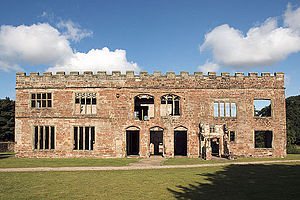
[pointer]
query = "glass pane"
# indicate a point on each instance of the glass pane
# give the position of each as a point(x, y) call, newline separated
point(87, 138)
point(222, 109)
point(49, 103)
point(75, 138)
point(227, 109)
point(216, 109)
point(80, 138)
point(88, 101)
point(33, 103)
point(233, 109)
point(38, 103)
point(36, 137)
point(49, 95)
point(43, 103)
point(38, 96)
point(41, 137)
point(43, 95)
point(32, 96)
point(47, 135)
point(52, 137)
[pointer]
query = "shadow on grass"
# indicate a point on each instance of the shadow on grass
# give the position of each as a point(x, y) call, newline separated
point(244, 182)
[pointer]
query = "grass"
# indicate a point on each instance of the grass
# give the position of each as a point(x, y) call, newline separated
point(277, 181)
point(194, 161)
point(7, 160)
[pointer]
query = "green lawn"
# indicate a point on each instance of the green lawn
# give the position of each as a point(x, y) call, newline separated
point(277, 181)
point(7, 160)
point(193, 161)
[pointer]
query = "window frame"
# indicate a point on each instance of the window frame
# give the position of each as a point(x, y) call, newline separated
point(82, 97)
point(36, 141)
point(262, 117)
point(41, 99)
point(83, 138)
point(217, 104)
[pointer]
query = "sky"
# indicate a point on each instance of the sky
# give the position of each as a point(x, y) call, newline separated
point(158, 35)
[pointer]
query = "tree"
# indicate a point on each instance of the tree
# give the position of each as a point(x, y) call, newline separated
point(293, 122)
point(7, 119)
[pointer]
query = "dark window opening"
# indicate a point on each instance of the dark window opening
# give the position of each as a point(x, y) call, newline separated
point(84, 138)
point(44, 138)
point(262, 107)
point(232, 136)
point(143, 107)
point(263, 139)
point(94, 101)
point(76, 100)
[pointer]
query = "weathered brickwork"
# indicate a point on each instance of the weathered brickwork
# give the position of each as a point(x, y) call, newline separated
point(115, 113)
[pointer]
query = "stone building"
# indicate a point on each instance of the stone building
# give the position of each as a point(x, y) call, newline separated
point(119, 115)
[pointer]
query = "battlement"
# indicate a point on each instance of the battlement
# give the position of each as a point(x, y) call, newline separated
point(156, 74)
point(117, 79)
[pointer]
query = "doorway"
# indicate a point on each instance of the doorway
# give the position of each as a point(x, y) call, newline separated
point(156, 138)
point(180, 143)
point(132, 142)
point(215, 147)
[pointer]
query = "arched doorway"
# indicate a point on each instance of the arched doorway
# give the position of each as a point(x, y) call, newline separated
point(132, 141)
point(180, 141)
point(156, 141)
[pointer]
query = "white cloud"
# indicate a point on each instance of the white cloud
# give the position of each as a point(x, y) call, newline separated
point(42, 44)
point(292, 17)
point(209, 67)
point(263, 45)
point(95, 60)
point(73, 31)
point(33, 45)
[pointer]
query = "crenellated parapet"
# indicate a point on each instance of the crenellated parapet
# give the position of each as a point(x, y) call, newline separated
point(144, 79)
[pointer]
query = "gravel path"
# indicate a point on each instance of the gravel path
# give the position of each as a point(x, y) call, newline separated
point(137, 167)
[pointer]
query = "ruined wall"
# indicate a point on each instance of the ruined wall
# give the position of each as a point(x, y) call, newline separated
point(115, 110)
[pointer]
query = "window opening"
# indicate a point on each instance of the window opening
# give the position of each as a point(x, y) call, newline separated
point(44, 137)
point(263, 139)
point(170, 105)
point(85, 103)
point(41, 100)
point(262, 107)
point(84, 138)
point(143, 107)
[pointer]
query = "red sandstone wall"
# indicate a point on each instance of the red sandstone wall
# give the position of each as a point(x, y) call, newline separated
point(114, 115)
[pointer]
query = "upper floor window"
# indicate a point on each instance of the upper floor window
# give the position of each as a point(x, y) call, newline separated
point(224, 109)
point(232, 136)
point(262, 107)
point(170, 105)
point(85, 103)
point(41, 100)
point(143, 107)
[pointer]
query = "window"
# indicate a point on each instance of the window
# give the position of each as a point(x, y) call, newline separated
point(41, 100)
point(212, 129)
point(170, 105)
point(85, 103)
point(262, 107)
point(263, 139)
point(84, 138)
point(224, 109)
point(44, 137)
point(232, 136)
point(143, 107)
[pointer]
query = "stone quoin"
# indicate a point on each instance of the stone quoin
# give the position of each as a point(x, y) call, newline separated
point(119, 115)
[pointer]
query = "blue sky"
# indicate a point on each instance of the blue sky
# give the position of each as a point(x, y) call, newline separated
point(149, 36)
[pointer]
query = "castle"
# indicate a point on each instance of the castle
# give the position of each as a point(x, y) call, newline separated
point(120, 115)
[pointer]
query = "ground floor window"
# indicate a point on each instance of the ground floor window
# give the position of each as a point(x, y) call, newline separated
point(84, 138)
point(263, 139)
point(44, 137)
point(232, 136)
